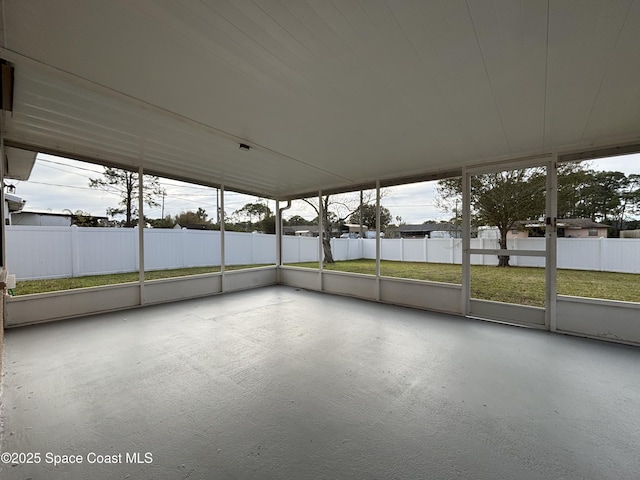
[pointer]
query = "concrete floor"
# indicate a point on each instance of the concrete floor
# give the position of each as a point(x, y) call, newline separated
point(279, 383)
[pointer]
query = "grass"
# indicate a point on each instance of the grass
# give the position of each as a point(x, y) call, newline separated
point(27, 287)
point(521, 285)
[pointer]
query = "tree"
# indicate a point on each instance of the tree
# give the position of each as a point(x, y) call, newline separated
point(297, 220)
point(125, 184)
point(166, 222)
point(631, 195)
point(335, 210)
point(194, 218)
point(393, 229)
point(600, 199)
point(267, 225)
point(603, 196)
point(368, 214)
point(85, 219)
point(573, 180)
point(500, 199)
point(261, 212)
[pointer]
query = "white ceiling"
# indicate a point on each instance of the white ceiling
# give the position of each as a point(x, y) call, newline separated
point(330, 94)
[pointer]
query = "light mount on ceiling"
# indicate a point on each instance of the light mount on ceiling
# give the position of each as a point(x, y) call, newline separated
point(244, 146)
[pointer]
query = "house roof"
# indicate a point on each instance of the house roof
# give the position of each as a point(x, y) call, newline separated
point(429, 227)
point(47, 212)
point(326, 95)
point(577, 223)
point(300, 228)
point(580, 223)
point(192, 226)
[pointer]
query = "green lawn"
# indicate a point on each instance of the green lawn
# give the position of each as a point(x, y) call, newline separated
point(40, 286)
point(520, 285)
point(513, 285)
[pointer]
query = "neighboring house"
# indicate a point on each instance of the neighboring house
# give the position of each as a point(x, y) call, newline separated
point(306, 231)
point(567, 228)
point(488, 232)
point(42, 218)
point(16, 214)
point(301, 230)
point(352, 230)
point(581, 228)
point(191, 226)
point(630, 234)
point(430, 230)
point(12, 206)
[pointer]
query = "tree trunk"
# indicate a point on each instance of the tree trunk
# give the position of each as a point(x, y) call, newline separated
point(128, 207)
point(129, 200)
point(326, 233)
point(503, 260)
point(326, 247)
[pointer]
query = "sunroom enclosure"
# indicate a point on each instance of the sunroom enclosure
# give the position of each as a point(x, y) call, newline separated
point(275, 264)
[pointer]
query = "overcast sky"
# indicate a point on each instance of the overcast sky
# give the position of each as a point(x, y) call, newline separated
point(57, 184)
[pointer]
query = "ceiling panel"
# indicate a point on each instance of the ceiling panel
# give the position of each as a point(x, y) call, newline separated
point(582, 38)
point(507, 33)
point(330, 95)
point(610, 110)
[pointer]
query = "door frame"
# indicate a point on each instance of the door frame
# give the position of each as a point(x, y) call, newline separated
point(510, 312)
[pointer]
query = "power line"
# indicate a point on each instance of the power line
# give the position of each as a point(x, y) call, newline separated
point(67, 165)
point(63, 186)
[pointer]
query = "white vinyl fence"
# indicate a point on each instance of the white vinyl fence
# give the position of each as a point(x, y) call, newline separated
point(58, 252)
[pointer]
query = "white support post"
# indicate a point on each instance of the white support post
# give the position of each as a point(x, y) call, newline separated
point(278, 241)
point(466, 242)
point(222, 248)
point(551, 238)
point(320, 239)
point(378, 240)
point(141, 233)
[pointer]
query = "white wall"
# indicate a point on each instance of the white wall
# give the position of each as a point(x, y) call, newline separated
point(41, 220)
point(55, 252)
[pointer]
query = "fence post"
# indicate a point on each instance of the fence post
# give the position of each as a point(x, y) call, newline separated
point(485, 261)
point(425, 250)
point(401, 249)
point(253, 247)
point(75, 252)
point(451, 247)
point(183, 241)
point(600, 253)
point(135, 241)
